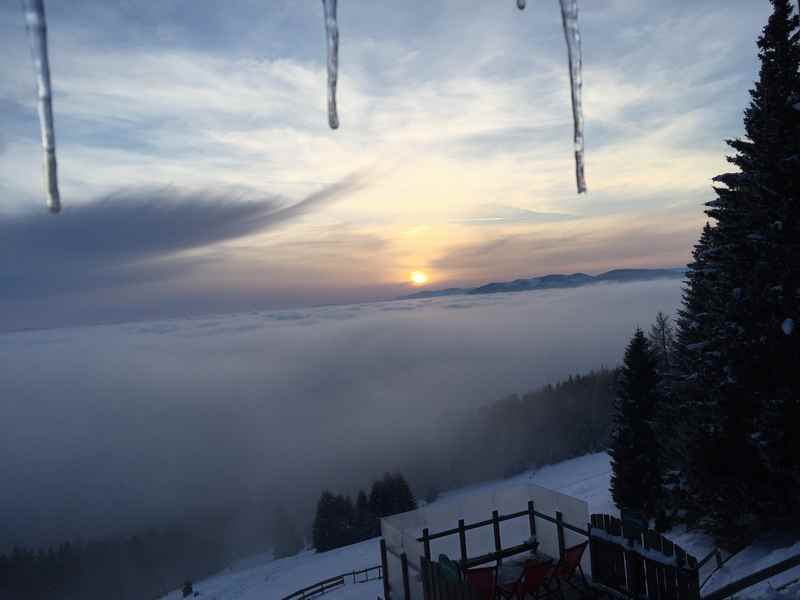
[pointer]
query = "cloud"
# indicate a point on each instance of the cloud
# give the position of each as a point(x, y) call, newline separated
point(137, 236)
point(125, 426)
point(493, 214)
point(579, 248)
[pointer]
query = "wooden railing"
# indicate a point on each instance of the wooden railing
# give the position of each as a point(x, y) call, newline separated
point(465, 561)
point(641, 564)
point(750, 580)
point(326, 585)
point(500, 552)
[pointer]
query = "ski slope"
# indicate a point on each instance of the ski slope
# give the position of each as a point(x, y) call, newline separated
point(587, 477)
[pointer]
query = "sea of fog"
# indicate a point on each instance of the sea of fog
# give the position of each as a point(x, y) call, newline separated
point(111, 428)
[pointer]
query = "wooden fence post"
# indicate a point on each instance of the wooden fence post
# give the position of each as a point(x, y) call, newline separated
point(404, 567)
point(694, 581)
point(592, 550)
point(496, 525)
point(424, 563)
point(560, 527)
point(385, 571)
point(426, 543)
point(531, 519)
point(462, 540)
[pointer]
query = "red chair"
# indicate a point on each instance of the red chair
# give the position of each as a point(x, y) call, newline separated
point(484, 580)
point(534, 582)
point(568, 565)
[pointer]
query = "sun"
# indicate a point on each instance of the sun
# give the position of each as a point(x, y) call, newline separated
point(418, 278)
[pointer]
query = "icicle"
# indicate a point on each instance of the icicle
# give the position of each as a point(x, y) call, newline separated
point(332, 33)
point(521, 4)
point(37, 32)
point(569, 17)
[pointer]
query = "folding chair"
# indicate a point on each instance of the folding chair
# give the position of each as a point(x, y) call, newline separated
point(534, 582)
point(483, 579)
point(567, 566)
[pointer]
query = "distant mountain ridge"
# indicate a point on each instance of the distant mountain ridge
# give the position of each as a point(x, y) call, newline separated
point(555, 281)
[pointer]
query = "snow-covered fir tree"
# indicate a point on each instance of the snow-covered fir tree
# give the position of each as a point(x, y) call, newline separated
point(635, 479)
point(678, 419)
point(738, 348)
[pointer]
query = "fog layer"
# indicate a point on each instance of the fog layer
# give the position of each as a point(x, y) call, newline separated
point(113, 428)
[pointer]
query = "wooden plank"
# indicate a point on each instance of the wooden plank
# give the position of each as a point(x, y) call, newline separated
point(531, 519)
point(658, 542)
point(684, 584)
point(635, 564)
point(669, 573)
point(494, 556)
point(600, 561)
point(650, 542)
point(516, 515)
point(497, 545)
point(560, 530)
point(433, 574)
point(423, 563)
point(426, 543)
point(694, 578)
point(671, 578)
point(462, 540)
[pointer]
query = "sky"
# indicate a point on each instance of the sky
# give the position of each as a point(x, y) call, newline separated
point(117, 428)
point(199, 176)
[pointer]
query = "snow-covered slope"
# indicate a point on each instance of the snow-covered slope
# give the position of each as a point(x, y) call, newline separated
point(266, 579)
point(586, 477)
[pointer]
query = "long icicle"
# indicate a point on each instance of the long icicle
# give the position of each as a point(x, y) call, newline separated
point(37, 33)
point(569, 17)
point(332, 35)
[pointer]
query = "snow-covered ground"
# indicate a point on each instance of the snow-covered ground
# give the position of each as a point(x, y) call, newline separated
point(586, 477)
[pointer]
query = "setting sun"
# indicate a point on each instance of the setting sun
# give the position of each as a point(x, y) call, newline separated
point(419, 278)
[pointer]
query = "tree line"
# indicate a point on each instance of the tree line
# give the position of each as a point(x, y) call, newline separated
point(708, 420)
point(340, 522)
point(142, 566)
point(558, 421)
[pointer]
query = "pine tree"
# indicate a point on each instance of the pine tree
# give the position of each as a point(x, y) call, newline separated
point(367, 524)
point(737, 343)
point(662, 341)
point(403, 496)
point(333, 523)
point(692, 325)
point(687, 411)
point(636, 480)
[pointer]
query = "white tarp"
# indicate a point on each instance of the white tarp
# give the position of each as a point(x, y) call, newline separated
point(402, 530)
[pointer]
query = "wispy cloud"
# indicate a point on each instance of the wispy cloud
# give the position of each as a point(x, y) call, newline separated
point(135, 237)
